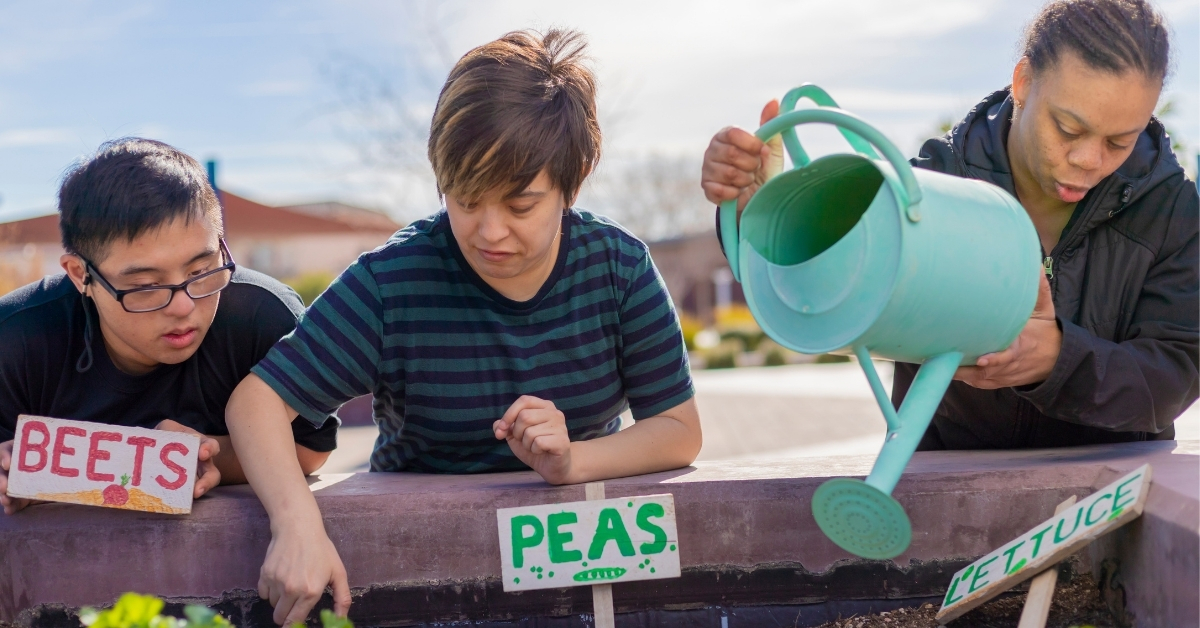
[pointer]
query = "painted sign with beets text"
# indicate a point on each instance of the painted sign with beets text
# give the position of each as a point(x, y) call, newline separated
point(80, 462)
point(1047, 544)
point(586, 543)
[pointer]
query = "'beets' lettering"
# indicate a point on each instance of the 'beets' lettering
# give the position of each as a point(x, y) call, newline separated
point(141, 443)
point(28, 447)
point(181, 473)
point(61, 449)
point(95, 453)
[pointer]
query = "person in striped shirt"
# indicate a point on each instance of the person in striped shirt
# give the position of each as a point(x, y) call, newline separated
point(507, 331)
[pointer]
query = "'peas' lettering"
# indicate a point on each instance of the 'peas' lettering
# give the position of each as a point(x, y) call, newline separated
point(557, 539)
point(520, 541)
point(610, 528)
point(651, 509)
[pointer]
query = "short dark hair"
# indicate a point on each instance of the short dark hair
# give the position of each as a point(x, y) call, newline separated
point(1113, 35)
point(512, 108)
point(131, 186)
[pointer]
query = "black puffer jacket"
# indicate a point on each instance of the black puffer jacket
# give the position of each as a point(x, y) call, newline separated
point(1125, 285)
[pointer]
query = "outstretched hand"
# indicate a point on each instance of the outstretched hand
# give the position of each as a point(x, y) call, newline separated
point(1029, 359)
point(536, 432)
point(207, 473)
point(737, 163)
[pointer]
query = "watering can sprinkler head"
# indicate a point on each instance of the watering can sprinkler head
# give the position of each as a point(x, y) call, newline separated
point(854, 252)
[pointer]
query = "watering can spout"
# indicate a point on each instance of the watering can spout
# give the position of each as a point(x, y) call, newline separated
point(906, 427)
point(862, 517)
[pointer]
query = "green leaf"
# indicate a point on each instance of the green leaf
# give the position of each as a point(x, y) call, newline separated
point(203, 617)
point(330, 620)
point(130, 611)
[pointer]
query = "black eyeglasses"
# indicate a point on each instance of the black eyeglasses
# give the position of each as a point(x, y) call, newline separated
point(154, 298)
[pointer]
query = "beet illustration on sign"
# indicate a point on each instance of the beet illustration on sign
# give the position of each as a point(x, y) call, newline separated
point(79, 462)
point(116, 495)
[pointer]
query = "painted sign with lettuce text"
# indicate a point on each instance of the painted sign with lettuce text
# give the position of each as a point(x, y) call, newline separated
point(80, 462)
point(587, 543)
point(1047, 544)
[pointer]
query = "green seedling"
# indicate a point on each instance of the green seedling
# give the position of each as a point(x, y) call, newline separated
point(145, 611)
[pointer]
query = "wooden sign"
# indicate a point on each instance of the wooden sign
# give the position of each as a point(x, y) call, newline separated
point(588, 543)
point(80, 462)
point(1046, 544)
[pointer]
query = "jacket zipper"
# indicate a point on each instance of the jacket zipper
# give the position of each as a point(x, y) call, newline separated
point(1075, 232)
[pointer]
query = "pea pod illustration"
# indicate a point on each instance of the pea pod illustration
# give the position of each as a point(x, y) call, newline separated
point(599, 573)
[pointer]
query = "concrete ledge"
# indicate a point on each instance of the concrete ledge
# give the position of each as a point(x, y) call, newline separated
point(425, 548)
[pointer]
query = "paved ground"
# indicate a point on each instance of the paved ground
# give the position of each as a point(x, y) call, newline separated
point(788, 411)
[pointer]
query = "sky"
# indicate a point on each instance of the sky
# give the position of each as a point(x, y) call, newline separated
point(274, 90)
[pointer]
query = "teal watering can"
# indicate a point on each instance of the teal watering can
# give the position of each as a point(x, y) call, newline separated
point(853, 253)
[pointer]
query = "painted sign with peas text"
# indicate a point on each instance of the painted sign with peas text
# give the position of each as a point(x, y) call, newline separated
point(587, 543)
point(97, 464)
point(1047, 544)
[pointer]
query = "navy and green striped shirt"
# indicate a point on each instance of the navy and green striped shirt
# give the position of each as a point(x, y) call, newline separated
point(446, 355)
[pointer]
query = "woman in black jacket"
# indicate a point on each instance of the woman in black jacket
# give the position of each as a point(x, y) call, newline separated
point(1110, 352)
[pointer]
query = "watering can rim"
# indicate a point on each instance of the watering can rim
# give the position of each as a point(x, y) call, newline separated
point(909, 194)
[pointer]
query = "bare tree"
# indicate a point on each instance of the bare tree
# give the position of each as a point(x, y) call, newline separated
point(383, 107)
point(655, 196)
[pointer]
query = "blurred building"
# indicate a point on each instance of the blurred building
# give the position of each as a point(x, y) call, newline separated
point(284, 242)
point(294, 240)
point(696, 274)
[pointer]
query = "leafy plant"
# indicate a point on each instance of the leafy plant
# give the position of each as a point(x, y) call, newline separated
point(329, 620)
point(145, 611)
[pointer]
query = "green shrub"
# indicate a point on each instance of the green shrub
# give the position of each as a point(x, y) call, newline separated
point(749, 340)
point(829, 358)
point(775, 357)
point(310, 285)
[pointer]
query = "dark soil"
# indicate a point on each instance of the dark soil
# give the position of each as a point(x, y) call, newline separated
point(1077, 602)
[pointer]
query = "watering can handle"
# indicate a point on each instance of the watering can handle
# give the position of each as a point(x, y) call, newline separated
point(910, 197)
point(822, 98)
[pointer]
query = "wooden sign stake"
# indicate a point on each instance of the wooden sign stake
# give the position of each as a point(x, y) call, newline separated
point(1041, 589)
point(602, 599)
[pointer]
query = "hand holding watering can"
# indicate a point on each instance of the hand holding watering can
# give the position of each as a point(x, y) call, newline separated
point(862, 254)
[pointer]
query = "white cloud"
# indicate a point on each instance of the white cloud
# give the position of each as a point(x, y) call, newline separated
point(16, 138)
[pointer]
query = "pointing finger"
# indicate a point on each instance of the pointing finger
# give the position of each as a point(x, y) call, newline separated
point(341, 592)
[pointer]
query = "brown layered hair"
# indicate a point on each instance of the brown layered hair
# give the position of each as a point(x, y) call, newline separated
point(512, 108)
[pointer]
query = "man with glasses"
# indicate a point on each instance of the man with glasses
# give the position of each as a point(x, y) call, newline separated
point(153, 324)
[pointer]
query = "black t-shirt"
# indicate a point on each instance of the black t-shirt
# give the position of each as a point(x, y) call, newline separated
point(41, 340)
